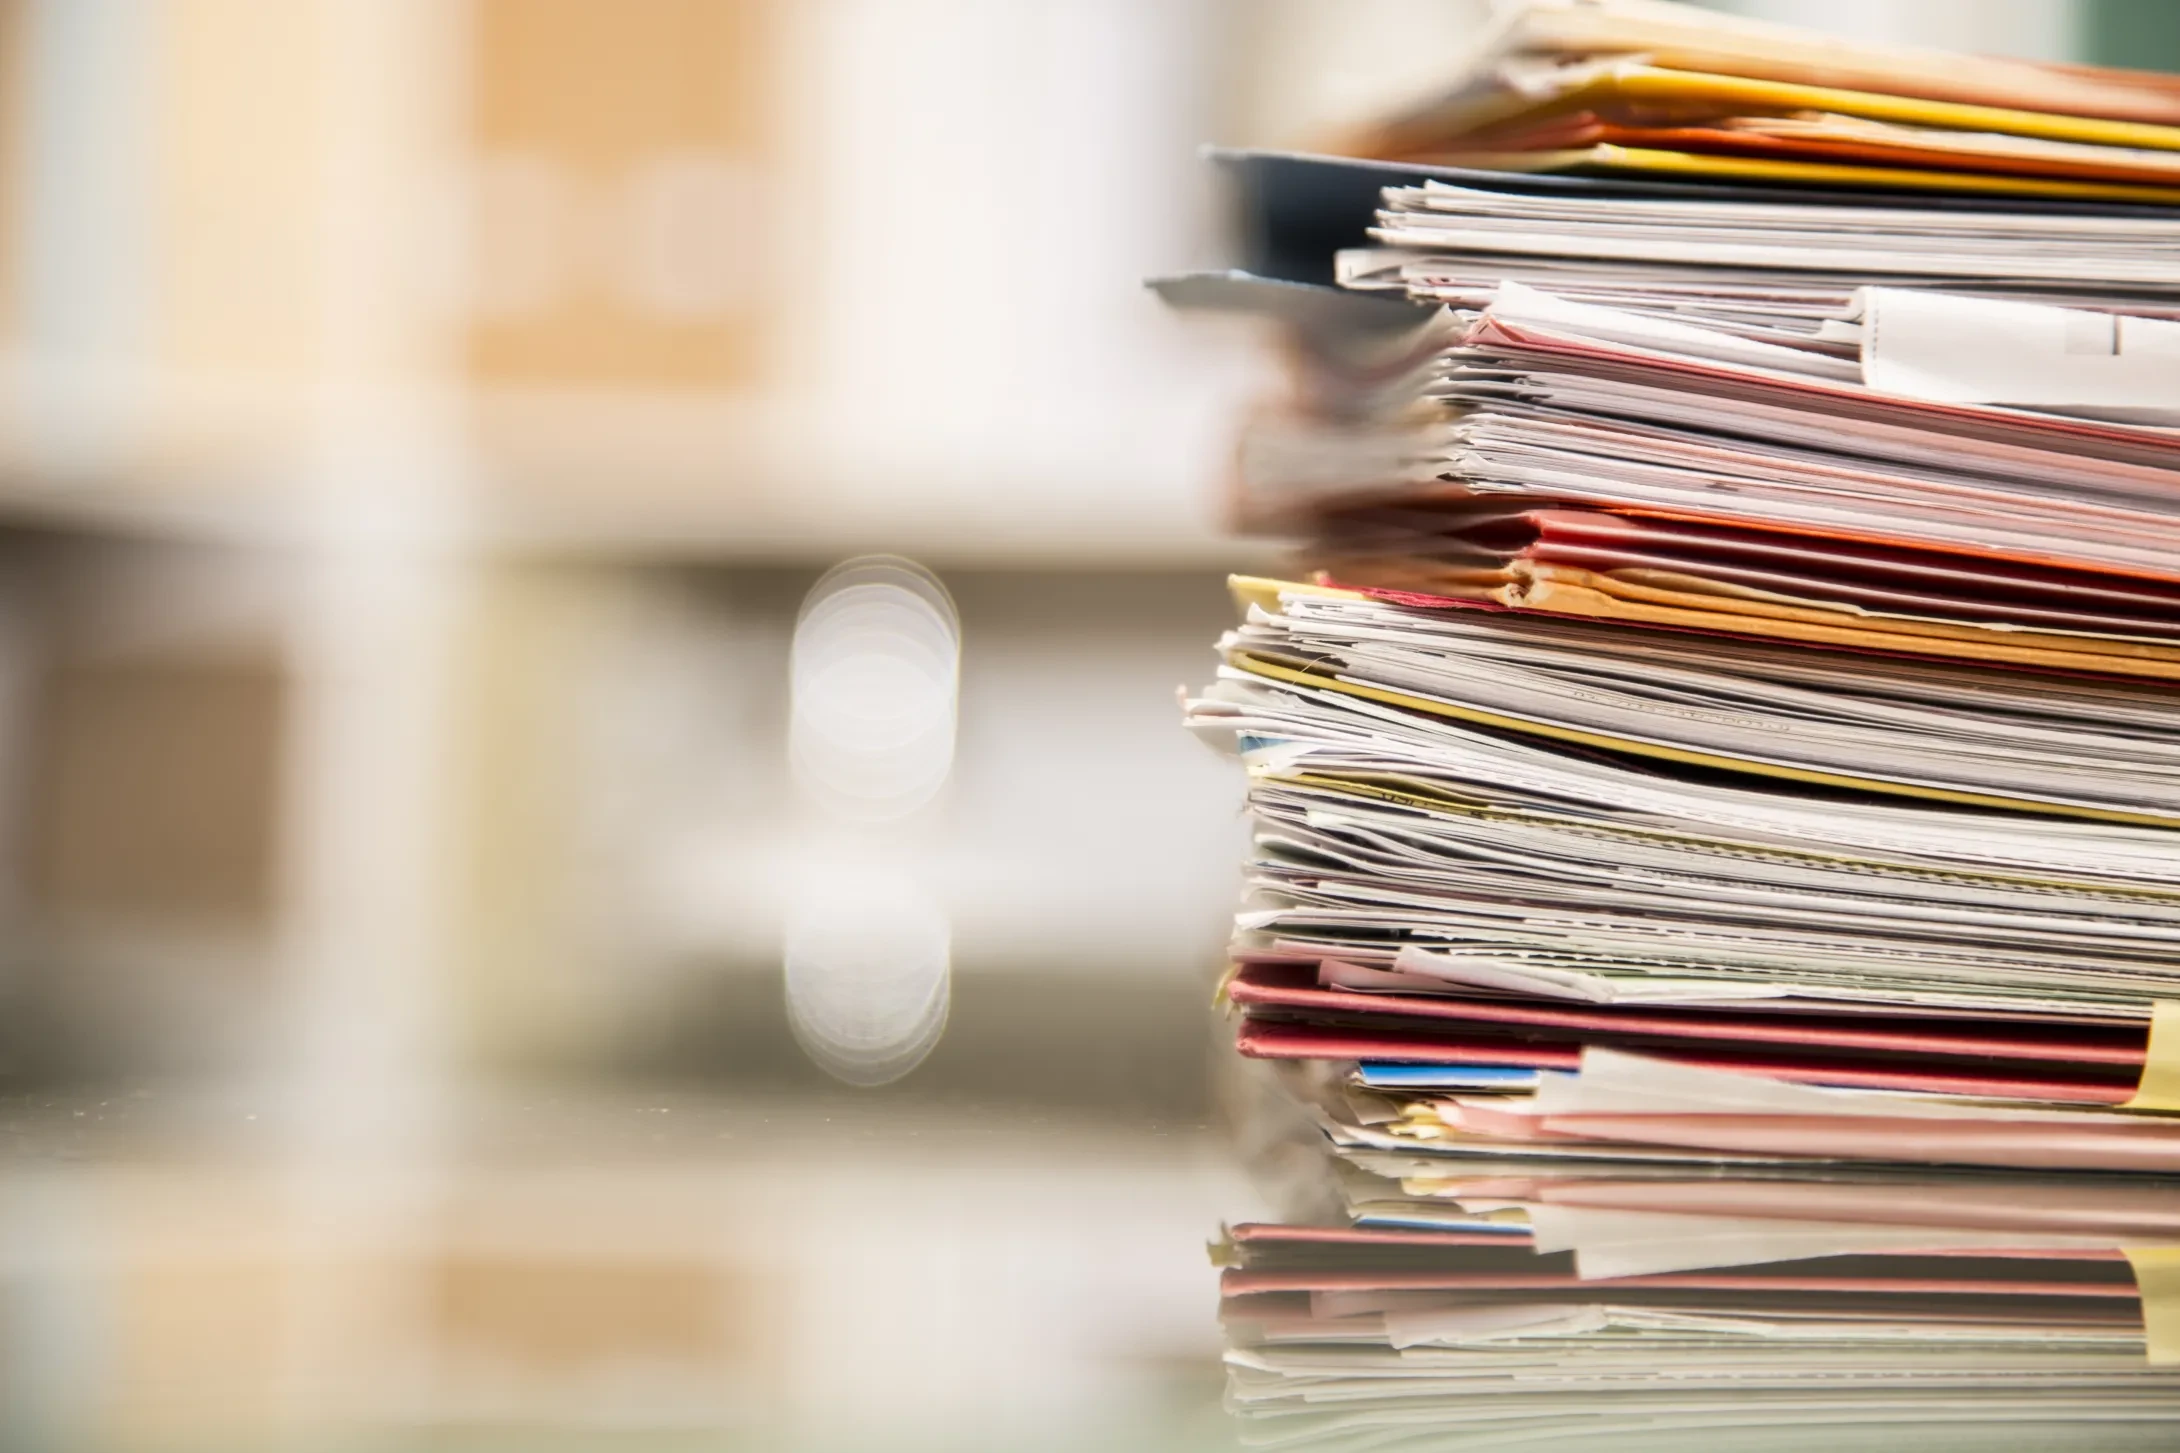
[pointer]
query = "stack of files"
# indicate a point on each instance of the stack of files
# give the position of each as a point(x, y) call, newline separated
point(1960, 484)
point(1717, 754)
point(1489, 848)
point(1771, 681)
point(1923, 409)
point(1562, 1295)
point(1653, 89)
point(1938, 476)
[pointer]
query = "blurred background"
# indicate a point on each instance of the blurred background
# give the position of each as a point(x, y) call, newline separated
point(505, 944)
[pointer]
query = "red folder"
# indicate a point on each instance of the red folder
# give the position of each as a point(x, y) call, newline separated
point(2112, 1052)
point(1246, 1283)
point(1272, 1039)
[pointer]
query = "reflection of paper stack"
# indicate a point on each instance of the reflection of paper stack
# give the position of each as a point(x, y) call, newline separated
point(1365, 1337)
point(1571, 1293)
point(1717, 796)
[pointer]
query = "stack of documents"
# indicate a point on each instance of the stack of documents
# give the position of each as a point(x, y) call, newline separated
point(1954, 476)
point(1719, 750)
point(1655, 89)
point(1490, 842)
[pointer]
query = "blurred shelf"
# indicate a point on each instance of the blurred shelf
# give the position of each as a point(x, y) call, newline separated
point(637, 478)
point(634, 529)
point(660, 537)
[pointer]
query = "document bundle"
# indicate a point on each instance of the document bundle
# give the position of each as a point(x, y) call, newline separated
point(1428, 1285)
point(1716, 763)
